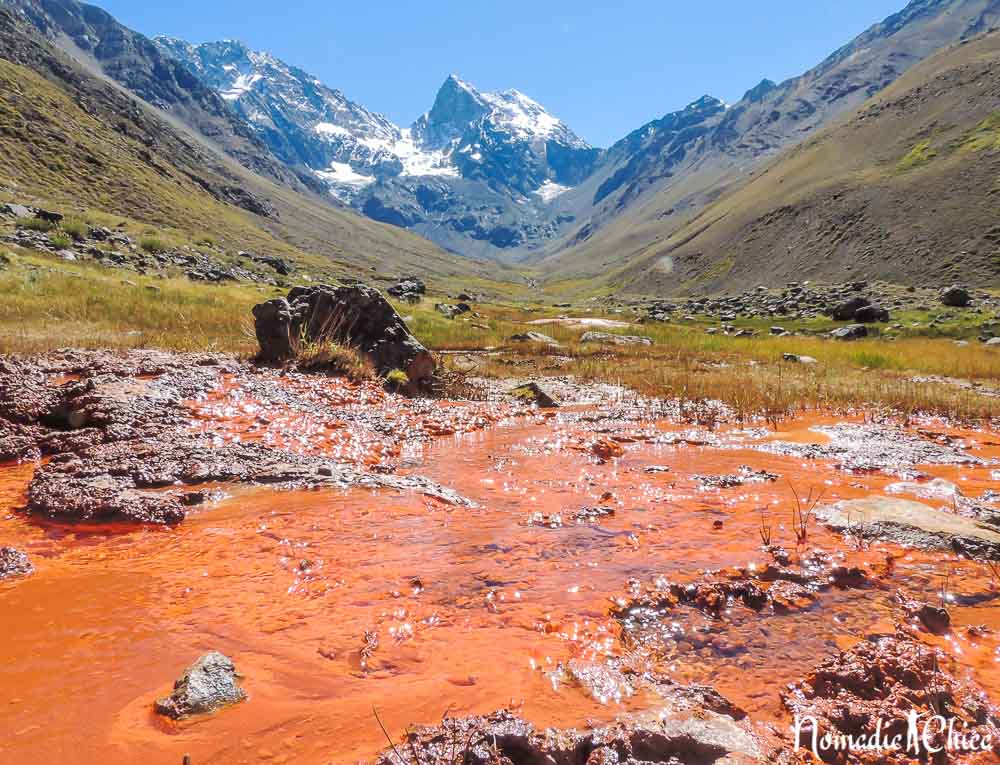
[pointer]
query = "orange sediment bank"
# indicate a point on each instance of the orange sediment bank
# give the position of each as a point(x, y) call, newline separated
point(333, 602)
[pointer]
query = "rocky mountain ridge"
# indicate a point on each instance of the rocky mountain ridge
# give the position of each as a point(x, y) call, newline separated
point(474, 166)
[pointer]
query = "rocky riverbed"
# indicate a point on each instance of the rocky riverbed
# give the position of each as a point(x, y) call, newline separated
point(604, 582)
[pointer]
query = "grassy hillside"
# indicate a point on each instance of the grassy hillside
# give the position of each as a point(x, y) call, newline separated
point(905, 189)
point(81, 145)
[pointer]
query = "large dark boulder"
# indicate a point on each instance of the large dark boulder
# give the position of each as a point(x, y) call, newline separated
point(206, 686)
point(353, 315)
point(848, 310)
point(956, 297)
point(870, 314)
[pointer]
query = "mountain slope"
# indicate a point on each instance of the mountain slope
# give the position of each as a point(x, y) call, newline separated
point(476, 173)
point(905, 189)
point(97, 40)
point(656, 180)
point(83, 143)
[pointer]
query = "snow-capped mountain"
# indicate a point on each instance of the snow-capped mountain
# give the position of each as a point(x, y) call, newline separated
point(478, 166)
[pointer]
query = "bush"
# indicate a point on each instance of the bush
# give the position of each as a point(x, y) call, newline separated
point(60, 241)
point(397, 379)
point(151, 243)
point(329, 357)
point(75, 228)
point(34, 224)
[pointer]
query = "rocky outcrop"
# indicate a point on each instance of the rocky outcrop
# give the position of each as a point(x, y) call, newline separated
point(118, 432)
point(876, 684)
point(683, 731)
point(206, 686)
point(913, 524)
point(353, 315)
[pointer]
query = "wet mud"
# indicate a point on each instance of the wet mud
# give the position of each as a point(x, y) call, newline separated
point(625, 581)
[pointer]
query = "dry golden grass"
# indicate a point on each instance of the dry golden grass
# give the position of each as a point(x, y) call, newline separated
point(48, 303)
point(748, 374)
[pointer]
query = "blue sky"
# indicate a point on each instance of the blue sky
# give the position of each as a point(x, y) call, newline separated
point(605, 68)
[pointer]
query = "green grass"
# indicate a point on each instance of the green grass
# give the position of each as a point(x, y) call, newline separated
point(34, 224)
point(61, 241)
point(919, 155)
point(48, 303)
point(152, 244)
point(75, 228)
point(986, 135)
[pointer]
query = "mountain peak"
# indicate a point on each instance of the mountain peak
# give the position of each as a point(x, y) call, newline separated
point(758, 91)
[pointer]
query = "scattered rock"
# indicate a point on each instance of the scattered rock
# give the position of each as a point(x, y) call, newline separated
point(913, 524)
point(534, 337)
point(850, 332)
point(532, 393)
point(848, 310)
point(206, 686)
point(870, 314)
point(796, 359)
point(451, 311)
point(14, 563)
point(608, 339)
point(409, 289)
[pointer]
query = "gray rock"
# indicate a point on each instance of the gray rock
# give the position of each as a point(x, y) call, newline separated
point(17, 211)
point(994, 341)
point(533, 337)
point(451, 311)
point(797, 359)
point(408, 288)
point(206, 686)
point(14, 563)
point(354, 314)
point(914, 524)
point(533, 392)
point(869, 314)
point(850, 332)
point(608, 339)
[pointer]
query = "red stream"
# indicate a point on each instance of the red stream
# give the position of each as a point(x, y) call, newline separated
point(472, 608)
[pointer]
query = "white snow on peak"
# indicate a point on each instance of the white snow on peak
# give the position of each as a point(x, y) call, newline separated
point(241, 84)
point(521, 115)
point(343, 179)
point(550, 190)
point(420, 162)
point(328, 128)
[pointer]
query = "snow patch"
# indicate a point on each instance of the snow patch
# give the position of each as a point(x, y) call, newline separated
point(240, 85)
point(329, 129)
point(342, 174)
point(418, 162)
point(550, 190)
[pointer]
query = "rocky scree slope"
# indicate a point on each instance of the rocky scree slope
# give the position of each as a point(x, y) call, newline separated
point(80, 143)
point(660, 178)
point(904, 190)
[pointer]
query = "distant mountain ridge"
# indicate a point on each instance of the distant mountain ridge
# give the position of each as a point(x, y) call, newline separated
point(495, 175)
point(503, 150)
